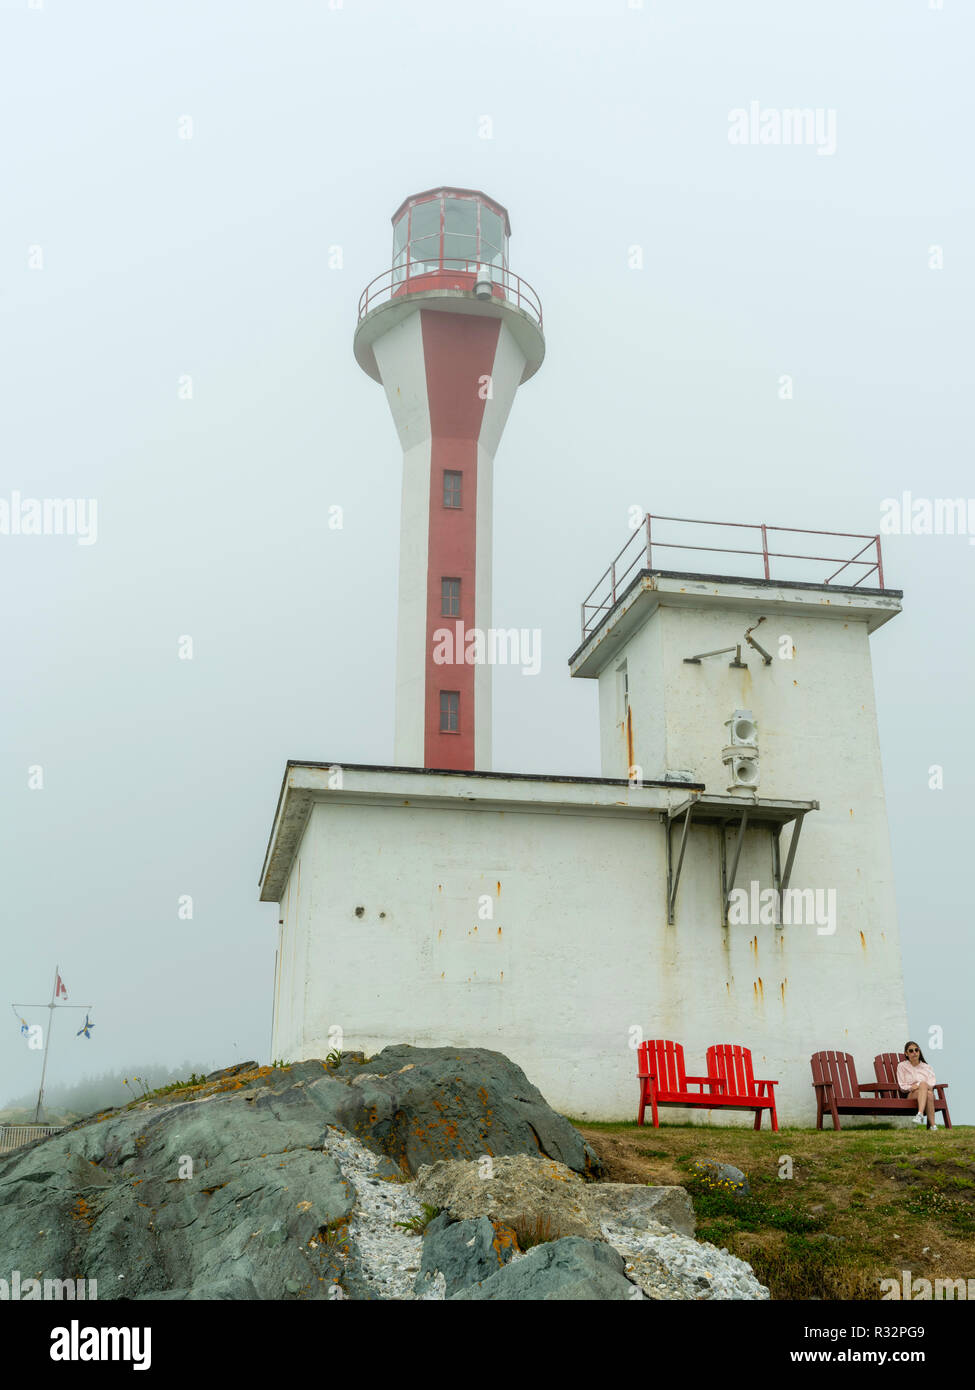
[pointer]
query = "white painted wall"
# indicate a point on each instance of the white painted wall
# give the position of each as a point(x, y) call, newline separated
point(577, 948)
point(509, 363)
point(399, 357)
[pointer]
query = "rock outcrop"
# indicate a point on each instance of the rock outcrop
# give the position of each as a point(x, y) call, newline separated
point(520, 1190)
point(571, 1268)
point(298, 1182)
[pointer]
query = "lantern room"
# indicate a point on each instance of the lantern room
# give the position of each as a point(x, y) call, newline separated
point(450, 233)
point(450, 255)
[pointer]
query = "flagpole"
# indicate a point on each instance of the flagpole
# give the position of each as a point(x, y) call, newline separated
point(52, 1006)
point(47, 1044)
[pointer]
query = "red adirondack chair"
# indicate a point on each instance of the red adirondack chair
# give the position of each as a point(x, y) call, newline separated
point(733, 1064)
point(729, 1083)
point(885, 1070)
point(663, 1080)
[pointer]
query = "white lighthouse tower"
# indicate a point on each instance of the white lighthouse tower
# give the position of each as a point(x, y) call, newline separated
point(450, 333)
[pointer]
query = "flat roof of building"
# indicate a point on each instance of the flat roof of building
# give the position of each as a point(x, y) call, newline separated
point(306, 782)
point(649, 588)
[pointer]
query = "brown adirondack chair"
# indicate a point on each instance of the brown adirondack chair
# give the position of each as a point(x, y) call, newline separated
point(838, 1091)
point(885, 1070)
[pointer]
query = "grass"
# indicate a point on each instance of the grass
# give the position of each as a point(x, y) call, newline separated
point(531, 1231)
point(334, 1236)
point(418, 1224)
point(860, 1205)
point(176, 1086)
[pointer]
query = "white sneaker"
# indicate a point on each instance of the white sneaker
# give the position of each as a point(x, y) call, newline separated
point(920, 1119)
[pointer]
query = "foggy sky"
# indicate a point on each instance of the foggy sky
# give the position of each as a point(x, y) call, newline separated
point(165, 258)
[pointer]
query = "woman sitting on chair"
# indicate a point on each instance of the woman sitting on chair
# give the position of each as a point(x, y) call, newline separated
point(916, 1078)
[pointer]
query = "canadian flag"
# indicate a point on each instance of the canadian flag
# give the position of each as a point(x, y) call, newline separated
point(59, 988)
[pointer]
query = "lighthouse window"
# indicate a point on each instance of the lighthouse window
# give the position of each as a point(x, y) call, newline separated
point(450, 598)
point(492, 237)
point(450, 711)
point(425, 232)
point(451, 488)
point(623, 689)
point(460, 230)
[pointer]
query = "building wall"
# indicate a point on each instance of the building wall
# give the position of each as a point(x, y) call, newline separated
point(542, 932)
point(291, 985)
point(819, 701)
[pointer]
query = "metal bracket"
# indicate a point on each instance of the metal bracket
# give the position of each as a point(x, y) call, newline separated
point(722, 651)
point(752, 643)
point(789, 861)
point(728, 877)
point(719, 812)
point(673, 875)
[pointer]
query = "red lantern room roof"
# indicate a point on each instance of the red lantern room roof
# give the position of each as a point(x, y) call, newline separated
point(454, 193)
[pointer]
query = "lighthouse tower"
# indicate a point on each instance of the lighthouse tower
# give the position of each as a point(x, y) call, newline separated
point(450, 333)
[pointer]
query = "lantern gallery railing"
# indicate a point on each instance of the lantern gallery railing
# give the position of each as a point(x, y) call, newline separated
point(419, 277)
point(638, 553)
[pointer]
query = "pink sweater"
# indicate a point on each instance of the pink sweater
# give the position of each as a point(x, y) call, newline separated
point(909, 1075)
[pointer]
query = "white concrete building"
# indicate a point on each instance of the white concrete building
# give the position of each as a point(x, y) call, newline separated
point(530, 914)
point(727, 880)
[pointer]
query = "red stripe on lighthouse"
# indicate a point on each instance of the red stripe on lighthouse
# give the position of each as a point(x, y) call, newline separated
point(458, 352)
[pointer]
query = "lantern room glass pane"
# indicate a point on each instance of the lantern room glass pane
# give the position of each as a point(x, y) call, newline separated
point(424, 255)
point(492, 233)
point(399, 234)
point(425, 223)
point(460, 230)
point(459, 251)
point(460, 216)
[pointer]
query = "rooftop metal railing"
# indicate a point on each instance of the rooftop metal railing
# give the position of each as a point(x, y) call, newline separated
point(420, 276)
point(638, 553)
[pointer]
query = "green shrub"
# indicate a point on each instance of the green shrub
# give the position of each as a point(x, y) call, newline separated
point(418, 1224)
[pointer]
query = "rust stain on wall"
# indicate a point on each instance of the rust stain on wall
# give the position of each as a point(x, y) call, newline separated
point(863, 941)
